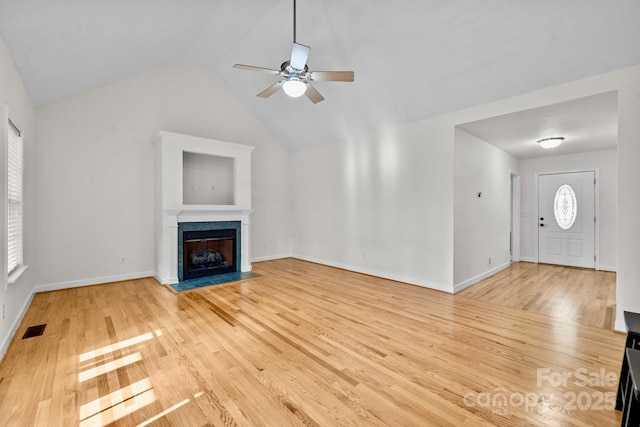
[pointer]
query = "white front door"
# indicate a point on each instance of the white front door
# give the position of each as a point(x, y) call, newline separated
point(566, 219)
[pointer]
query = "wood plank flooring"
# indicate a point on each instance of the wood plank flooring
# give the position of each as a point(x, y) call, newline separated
point(583, 296)
point(304, 345)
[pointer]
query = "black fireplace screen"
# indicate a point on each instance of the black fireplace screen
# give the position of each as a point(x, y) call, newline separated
point(208, 252)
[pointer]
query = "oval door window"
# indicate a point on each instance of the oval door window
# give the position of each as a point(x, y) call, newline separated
point(565, 206)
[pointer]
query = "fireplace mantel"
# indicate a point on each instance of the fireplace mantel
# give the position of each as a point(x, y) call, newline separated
point(170, 206)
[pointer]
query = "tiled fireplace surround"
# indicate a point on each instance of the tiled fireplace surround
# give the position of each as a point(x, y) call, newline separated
point(169, 198)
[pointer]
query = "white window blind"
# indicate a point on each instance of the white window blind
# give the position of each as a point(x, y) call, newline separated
point(14, 198)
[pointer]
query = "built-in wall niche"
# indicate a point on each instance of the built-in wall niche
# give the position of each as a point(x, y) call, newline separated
point(198, 174)
point(207, 179)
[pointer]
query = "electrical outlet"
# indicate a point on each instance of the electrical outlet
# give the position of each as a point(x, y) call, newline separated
point(490, 260)
point(123, 260)
point(2, 311)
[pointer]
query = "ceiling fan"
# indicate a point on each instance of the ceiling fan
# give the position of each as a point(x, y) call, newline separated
point(296, 75)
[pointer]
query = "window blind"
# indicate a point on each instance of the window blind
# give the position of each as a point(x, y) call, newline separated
point(14, 198)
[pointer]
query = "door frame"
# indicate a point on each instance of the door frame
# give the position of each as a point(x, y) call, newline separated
point(516, 206)
point(596, 201)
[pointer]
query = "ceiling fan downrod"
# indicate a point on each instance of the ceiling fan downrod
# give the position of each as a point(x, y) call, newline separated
point(294, 21)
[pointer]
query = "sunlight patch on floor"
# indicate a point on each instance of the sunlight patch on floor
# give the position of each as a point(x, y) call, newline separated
point(114, 347)
point(109, 367)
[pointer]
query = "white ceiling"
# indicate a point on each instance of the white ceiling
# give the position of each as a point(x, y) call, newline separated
point(587, 124)
point(413, 59)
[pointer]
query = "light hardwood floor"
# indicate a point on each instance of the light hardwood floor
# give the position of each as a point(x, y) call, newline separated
point(583, 296)
point(308, 345)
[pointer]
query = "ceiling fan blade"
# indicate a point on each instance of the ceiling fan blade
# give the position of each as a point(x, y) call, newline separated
point(332, 76)
point(313, 94)
point(252, 68)
point(271, 90)
point(299, 56)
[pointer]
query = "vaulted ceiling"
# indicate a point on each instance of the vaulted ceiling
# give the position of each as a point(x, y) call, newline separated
point(413, 59)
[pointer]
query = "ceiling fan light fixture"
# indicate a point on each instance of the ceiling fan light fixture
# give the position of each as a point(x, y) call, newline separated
point(552, 142)
point(294, 88)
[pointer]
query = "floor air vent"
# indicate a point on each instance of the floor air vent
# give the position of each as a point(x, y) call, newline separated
point(34, 331)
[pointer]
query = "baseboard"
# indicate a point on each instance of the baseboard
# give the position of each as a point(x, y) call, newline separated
point(376, 273)
point(464, 285)
point(600, 267)
point(271, 257)
point(93, 281)
point(165, 280)
point(14, 326)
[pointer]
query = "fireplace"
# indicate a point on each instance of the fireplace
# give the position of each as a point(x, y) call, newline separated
point(201, 184)
point(208, 248)
point(207, 253)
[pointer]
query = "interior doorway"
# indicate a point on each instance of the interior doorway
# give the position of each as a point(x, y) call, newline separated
point(516, 202)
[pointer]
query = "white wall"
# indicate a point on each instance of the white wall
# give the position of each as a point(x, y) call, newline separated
point(381, 204)
point(482, 225)
point(15, 297)
point(607, 164)
point(628, 278)
point(96, 171)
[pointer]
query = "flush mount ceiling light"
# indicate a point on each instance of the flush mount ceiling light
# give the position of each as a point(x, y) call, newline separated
point(552, 142)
